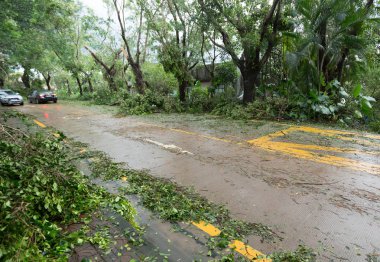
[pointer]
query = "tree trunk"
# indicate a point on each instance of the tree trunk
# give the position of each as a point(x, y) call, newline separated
point(90, 86)
point(182, 90)
point(47, 80)
point(79, 85)
point(1, 82)
point(111, 83)
point(25, 77)
point(250, 82)
point(136, 69)
point(68, 87)
point(340, 65)
point(140, 83)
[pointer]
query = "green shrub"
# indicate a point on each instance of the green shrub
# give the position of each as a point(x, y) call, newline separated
point(225, 74)
point(42, 192)
point(231, 110)
point(199, 100)
point(158, 80)
point(375, 126)
point(151, 102)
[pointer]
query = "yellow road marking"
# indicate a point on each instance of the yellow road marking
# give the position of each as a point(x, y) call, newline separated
point(208, 228)
point(82, 150)
point(342, 135)
point(248, 251)
point(303, 151)
point(238, 246)
point(39, 123)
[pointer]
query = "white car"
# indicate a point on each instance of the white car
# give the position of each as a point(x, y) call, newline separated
point(8, 97)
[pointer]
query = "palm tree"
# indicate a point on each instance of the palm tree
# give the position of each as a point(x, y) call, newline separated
point(330, 35)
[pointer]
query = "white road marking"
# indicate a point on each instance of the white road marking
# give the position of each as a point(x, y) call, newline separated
point(72, 117)
point(171, 147)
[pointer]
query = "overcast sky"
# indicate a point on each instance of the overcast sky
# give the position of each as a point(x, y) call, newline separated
point(98, 6)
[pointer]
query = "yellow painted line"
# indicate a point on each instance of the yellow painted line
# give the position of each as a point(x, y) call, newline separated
point(39, 123)
point(304, 151)
point(248, 251)
point(208, 228)
point(342, 135)
point(82, 150)
point(238, 246)
point(330, 132)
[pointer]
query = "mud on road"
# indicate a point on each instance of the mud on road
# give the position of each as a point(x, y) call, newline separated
point(313, 186)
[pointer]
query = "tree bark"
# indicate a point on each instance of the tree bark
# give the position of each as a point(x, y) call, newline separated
point(136, 69)
point(68, 87)
point(47, 80)
point(25, 77)
point(109, 70)
point(111, 81)
point(182, 90)
point(1, 82)
point(337, 73)
point(79, 86)
point(90, 86)
point(254, 58)
point(250, 83)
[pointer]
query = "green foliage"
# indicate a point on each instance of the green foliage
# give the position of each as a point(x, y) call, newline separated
point(158, 80)
point(331, 43)
point(199, 99)
point(225, 74)
point(272, 108)
point(41, 192)
point(175, 203)
point(151, 102)
point(104, 96)
point(375, 126)
point(302, 254)
point(231, 110)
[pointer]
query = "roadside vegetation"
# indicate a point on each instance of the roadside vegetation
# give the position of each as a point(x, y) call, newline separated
point(175, 204)
point(304, 60)
point(43, 194)
point(281, 60)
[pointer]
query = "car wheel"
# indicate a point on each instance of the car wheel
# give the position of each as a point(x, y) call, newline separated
point(55, 101)
point(22, 103)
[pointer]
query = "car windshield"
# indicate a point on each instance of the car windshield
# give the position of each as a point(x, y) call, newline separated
point(9, 92)
point(46, 93)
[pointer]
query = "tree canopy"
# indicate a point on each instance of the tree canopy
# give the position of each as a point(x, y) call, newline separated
point(307, 52)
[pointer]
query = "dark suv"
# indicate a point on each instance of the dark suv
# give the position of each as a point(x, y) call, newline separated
point(38, 97)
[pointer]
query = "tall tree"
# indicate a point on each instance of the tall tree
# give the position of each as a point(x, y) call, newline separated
point(25, 28)
point(133, 58)
point(109, 70)
point(331, 37)
point(178, 35)
point(248, 31)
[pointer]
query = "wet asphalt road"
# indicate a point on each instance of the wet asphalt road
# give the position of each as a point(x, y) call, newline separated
point(331, 206)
